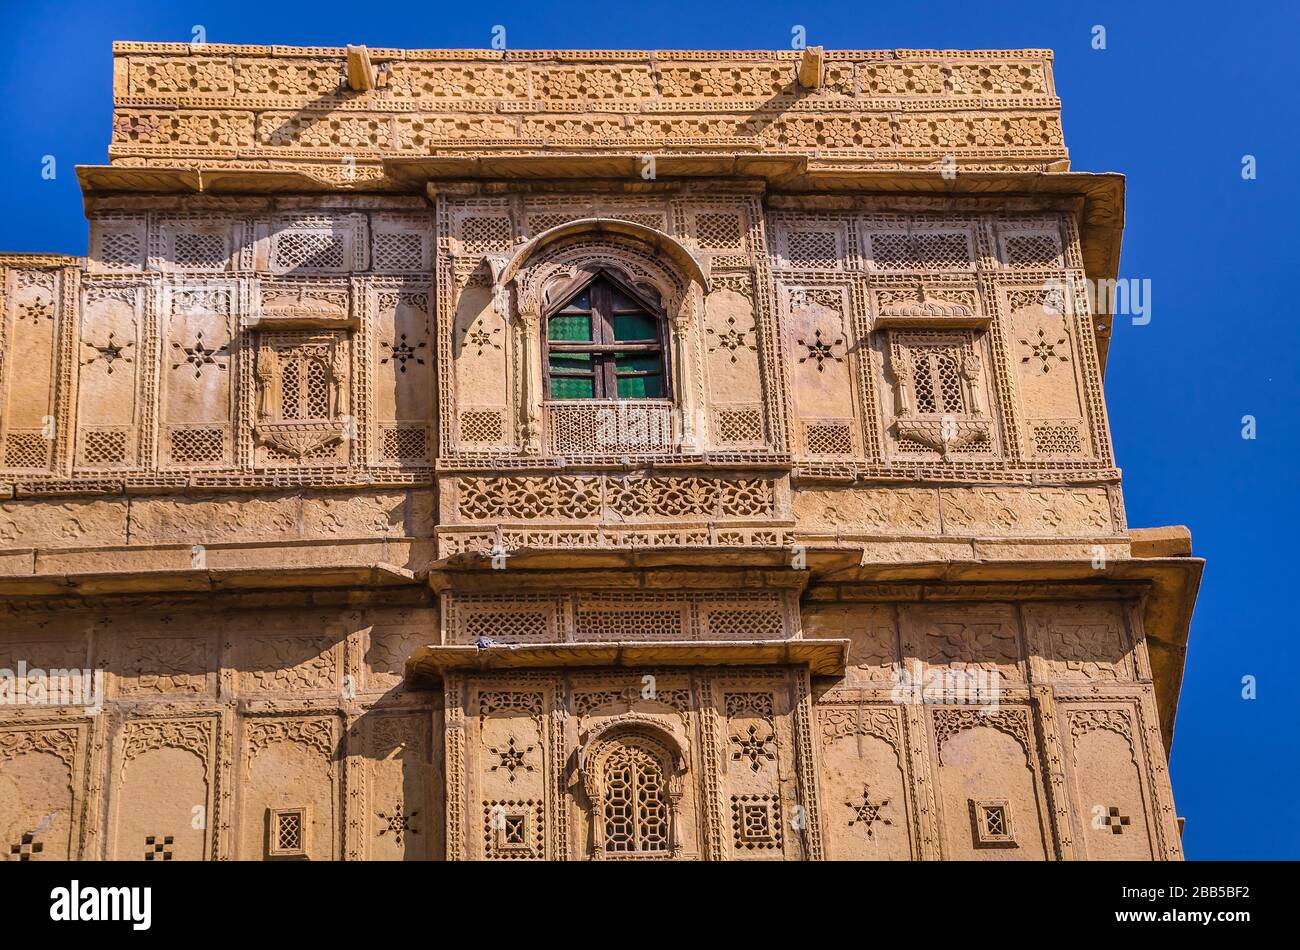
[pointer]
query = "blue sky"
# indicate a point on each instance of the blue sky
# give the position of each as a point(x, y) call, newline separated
point(1179, 95)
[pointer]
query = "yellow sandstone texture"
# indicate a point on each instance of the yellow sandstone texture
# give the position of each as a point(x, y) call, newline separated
point(462, 454)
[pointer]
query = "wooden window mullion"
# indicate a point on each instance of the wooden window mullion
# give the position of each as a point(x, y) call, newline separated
point(603, 325)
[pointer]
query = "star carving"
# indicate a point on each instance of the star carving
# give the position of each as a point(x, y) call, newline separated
point(512, 758)
point(110, 353)
point(398, 824)
point(1045, 350)
point(198, 355)
point(38, 309)
point(731, 339)
point(401, 352)
point(754, 747)
point(821, 351)
point(481, 338)
point(867, 812)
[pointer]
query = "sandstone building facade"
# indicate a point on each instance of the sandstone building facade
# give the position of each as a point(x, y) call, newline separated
point(508, 455)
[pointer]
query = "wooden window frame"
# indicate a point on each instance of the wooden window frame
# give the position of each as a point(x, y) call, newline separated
point(603, 345)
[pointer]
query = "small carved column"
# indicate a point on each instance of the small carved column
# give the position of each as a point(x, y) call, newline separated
point(970, 375)
point(1053, 762)
point(684, 373)
point(903, 377)
point(530, 432)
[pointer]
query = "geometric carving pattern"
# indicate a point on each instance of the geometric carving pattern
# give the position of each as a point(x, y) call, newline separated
point(197, 445)
point(715, 231)
point(512, 758)
point(1033, 250)
point(398, 823)
point(288, 831)
point(634, 805)
point(739, 425)
point(756, 822)
point(868, 813)
point(921, 250)
point(813, 249)
point(103, 446)
point(1061, 438)
point(482, 425)
point(27, 449)
point(401, 443)
point(26, 848)
point(398, 251)
point(158, 848)
point(1044, 350)
point(992, 823)
point(754, 746)
point(1115, 821)
point(512, 829)
point(828, 438)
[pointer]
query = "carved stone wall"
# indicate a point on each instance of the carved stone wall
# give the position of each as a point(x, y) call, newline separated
point(293, 733)
point(245, 735)
point(227, 106)
point(279, 461)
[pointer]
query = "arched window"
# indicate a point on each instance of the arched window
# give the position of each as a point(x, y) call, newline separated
point(605, 340)
point(634, 803)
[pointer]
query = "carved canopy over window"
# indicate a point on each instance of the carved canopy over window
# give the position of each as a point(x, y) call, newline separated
point(940, 401)
point(605, 340)
point(301, 389)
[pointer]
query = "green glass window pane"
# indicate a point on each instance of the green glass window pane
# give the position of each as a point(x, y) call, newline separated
point(573, 327)
point(642, 363)
point(575, 362)
point(572, 387)
point(635, 326)
point(640, 387)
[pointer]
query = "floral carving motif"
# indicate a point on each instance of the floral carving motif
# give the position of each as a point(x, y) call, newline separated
point(170, 665)
point(316, 734)
point(1084, 721)
point(145, 735)
point(57, 742)
point(524, 498)
point(973, 645)
point(283, 663)
point(838, 722)
point(950, 722)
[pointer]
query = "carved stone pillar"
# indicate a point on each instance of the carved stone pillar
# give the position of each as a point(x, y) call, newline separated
point(684, 373)
point(530, 430)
